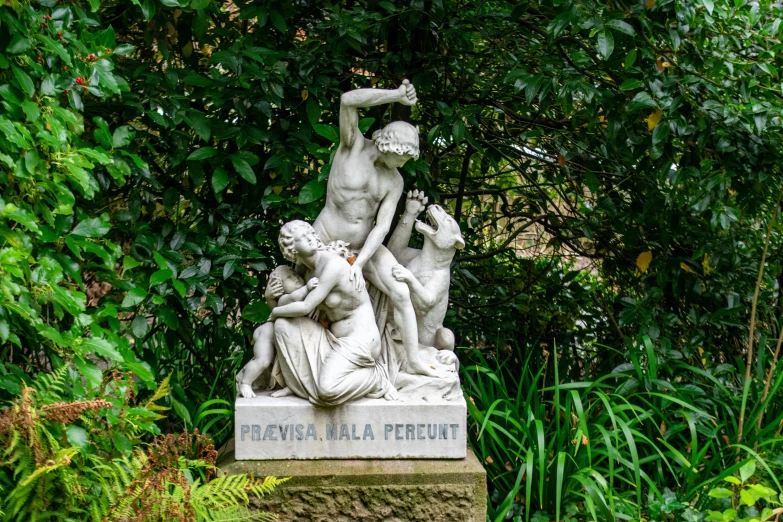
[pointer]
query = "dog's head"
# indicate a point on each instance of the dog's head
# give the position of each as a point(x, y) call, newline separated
point(441, 229)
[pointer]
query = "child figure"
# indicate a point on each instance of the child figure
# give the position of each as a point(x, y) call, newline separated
point(284, 286)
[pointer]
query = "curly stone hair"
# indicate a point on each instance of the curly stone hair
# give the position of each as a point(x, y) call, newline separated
point(289, 231)
point(399, 137)
point(281, 272)
point(287, 234)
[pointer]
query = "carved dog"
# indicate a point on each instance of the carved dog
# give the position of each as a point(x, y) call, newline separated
point(427, 272)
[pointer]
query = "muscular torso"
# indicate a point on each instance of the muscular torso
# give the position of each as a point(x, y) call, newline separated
point(357, 185)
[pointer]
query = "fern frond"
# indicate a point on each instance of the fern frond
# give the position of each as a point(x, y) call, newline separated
point(237, 514)
point(63, 459)
point(53, 384)
point(266, 485)
point(162, 391)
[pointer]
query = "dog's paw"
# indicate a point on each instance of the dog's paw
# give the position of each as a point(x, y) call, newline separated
point(401, 273)
point(416, 202)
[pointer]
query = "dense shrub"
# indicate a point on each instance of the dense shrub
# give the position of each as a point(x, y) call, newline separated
point(614, 168)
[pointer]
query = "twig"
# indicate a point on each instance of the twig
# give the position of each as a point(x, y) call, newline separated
point(749, 361)
point(507, 242)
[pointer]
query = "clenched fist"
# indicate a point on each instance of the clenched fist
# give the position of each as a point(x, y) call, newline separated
point(407, 93)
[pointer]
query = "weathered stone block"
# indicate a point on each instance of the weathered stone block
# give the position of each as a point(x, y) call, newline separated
point(292, 428)
point(371, 490)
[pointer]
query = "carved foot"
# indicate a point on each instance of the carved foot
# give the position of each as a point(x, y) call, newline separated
point(246, 391)
point(285, 392)
point(392, 394)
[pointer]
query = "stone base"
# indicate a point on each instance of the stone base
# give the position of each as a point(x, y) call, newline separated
point(371, 490)
point(291, 428)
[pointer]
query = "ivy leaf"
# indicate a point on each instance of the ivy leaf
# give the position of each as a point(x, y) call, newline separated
point(89, 370)
point(200, 124)
point(133, 297)
point(327, 131)
point(77, 436)
point(25, 82)
point(312, 191)
point(219, 180)
point(621, 26)
point(720, 493)
point(747, 470)
point(102, 347)
point(243, 168)
point(199, 4)
point(257, 312)
point(122, 136)
point(139, 326)
point(19, 44)
point(642, 100)
point(313, 110)
point(202, 153)
point(93, 227)
point(160, 276)
point(631, 84)
point(278, 21)
point(605, 43)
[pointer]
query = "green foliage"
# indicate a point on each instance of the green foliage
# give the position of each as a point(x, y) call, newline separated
point(54, 247)
point(642, 442)
point(78, 454)
point(614, 168)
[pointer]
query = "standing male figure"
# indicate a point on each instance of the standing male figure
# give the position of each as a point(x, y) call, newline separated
point(361, 199)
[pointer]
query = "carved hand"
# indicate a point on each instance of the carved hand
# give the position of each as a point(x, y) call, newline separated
point(312, 283)
point(355, 275)
point(415, 203)
point(407, 93)
point(274, 289)
point(401, 273)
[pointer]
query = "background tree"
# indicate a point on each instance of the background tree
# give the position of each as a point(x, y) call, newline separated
point(613, 165)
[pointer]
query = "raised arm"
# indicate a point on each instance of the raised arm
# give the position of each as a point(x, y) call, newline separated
point(398, 243)
point(359, 98)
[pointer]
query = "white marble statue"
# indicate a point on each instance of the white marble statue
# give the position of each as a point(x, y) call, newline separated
point(361, 198)
point(331, 340)
point(428, 271)
point(328, 366)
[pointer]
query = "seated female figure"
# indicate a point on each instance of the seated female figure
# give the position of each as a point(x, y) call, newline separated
point(335, 365)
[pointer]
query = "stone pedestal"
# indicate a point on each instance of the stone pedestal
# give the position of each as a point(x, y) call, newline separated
point(292, 428)
point(371, 490)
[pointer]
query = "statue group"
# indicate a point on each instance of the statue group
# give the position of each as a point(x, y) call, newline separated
point(332, 338)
